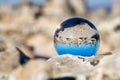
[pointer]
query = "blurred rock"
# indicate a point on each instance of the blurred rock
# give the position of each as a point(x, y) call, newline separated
point(78, 6)
point(9, 60)
point(42, 45)
point(34, 70)
point(64, 8)
point(116, 10)
point(55, 8)
point(110, 39)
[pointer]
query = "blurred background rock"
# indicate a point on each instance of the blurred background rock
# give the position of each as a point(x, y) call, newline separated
point(30, 25)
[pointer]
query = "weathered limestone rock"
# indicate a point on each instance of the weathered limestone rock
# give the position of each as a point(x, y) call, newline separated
point(67, 65)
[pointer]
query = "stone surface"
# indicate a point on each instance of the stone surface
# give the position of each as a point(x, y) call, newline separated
point(67, 65)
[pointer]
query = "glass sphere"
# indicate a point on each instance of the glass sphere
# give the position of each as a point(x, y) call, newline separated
point(76, 36)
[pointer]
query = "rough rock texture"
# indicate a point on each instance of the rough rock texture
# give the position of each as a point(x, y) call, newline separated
point(67, 65)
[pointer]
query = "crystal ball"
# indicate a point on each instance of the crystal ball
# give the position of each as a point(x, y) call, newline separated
point(77, 36)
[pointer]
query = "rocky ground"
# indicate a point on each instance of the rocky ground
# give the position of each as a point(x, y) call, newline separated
point(66, 67)
point(31, 28)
